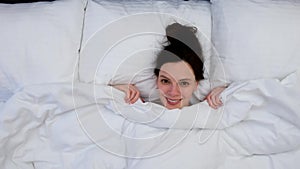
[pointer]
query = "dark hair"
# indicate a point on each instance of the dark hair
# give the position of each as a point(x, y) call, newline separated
point(182, 45)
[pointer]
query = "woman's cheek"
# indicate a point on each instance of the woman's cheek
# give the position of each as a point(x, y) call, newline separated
point(163, 89)
point(187, 92)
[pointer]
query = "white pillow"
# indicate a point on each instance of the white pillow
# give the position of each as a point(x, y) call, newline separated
point(121, 39)
point(39, 43)
point(255, 38)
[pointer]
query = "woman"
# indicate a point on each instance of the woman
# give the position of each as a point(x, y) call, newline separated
point(178, 70)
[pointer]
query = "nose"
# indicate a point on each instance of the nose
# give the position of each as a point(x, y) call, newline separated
point(174, 90)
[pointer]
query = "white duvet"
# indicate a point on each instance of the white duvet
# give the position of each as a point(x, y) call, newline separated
point(86, 126)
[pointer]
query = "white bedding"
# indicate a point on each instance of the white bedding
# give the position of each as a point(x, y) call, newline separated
point(61, 126)
point(1, 104)
point(262, 112)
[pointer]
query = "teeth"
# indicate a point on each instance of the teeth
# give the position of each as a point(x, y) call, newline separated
point(173, 101)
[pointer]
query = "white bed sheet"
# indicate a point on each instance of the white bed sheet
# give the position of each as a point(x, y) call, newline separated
point(1, 104)
point(44, 126)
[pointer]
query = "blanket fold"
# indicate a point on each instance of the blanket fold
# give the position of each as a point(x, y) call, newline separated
point(69, 125)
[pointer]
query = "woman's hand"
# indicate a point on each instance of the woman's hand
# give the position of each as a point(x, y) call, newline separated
point(131, 91)
point(213, 97)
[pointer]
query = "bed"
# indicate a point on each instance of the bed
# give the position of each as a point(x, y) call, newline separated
point(57, 110)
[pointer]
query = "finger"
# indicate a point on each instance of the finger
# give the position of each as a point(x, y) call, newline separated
point(209, 101)
point(214, 97)
point(132, 93)
point(219, 101)
point(213, 100)
point(132, 96)
point(135, 97)
point(216, 101)
point(127, 97)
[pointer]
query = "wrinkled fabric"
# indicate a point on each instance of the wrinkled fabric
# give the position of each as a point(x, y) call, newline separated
point(86, 126)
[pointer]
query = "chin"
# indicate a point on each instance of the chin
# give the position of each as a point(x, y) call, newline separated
point(173, 107)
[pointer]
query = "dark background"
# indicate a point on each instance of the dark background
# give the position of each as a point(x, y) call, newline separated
point(20, 1)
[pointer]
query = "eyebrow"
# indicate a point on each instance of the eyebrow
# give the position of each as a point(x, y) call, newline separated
point(185, 80)
point(163, 76)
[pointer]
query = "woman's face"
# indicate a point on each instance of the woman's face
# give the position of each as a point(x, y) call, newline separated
point(176, 83)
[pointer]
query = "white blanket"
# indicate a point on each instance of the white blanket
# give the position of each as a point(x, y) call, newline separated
point(264, 112)
point(85, 126)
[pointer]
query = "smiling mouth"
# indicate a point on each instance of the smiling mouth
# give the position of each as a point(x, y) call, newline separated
point(173, 101)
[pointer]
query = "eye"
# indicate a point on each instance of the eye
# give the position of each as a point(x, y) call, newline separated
point(165, 81)
point(184, 84)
